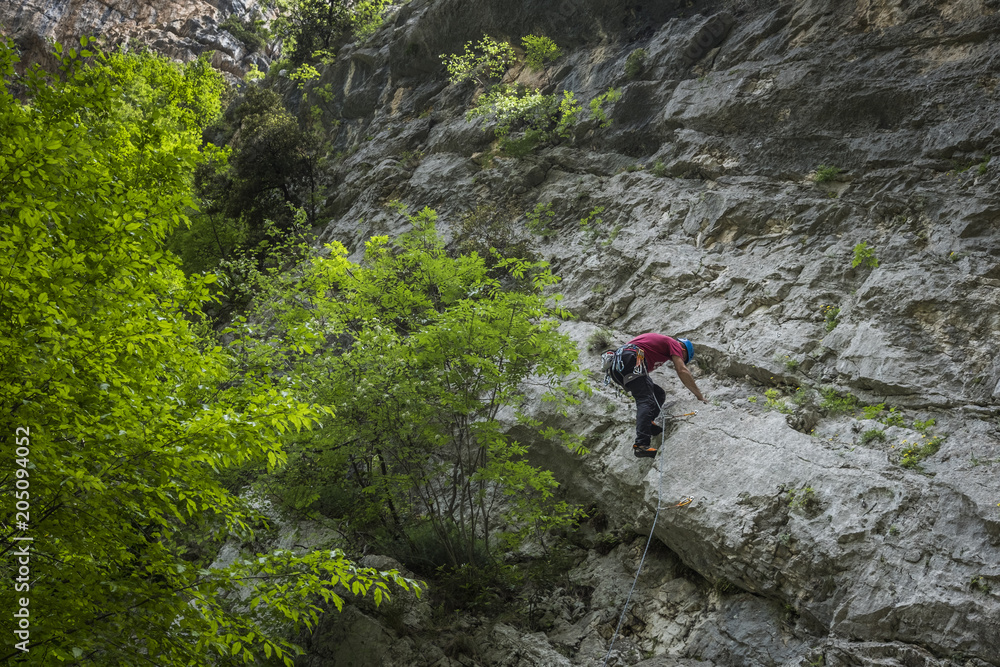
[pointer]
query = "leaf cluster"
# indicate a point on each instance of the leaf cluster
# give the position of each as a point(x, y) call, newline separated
point(314, 30)
point(485, 61)
point(130, 408)
point(538, 50)
point(418, 351)
point(864, 255)
point(542, 118)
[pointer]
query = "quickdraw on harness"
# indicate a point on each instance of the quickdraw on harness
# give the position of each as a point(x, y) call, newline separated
point(613, 362)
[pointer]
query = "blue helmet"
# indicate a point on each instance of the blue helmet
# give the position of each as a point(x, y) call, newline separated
point(688, 348)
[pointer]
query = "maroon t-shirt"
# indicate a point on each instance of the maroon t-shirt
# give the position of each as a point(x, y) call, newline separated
point(658, 348)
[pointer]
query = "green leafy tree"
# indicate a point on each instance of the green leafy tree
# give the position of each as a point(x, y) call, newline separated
point(315, 29)
point(270, 170)
point(119, 409)
point(541, 118)
point(539, 49)
point(427, 350)
point(485, 62)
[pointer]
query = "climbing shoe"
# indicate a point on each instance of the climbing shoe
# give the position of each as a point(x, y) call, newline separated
point(644, 452)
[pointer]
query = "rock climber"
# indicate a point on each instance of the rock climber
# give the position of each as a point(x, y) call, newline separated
point(629, 367)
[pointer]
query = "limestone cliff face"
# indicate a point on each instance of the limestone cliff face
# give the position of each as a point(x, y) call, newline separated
point(180, 29)
point(758, 144)
point(721, 223)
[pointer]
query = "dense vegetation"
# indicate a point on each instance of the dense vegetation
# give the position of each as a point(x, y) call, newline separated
point(144, 432)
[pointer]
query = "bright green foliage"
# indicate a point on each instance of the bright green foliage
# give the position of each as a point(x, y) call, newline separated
point(429, 350)
point(863, 254)
point(539, 50)
point(367, 16)
point(825, 173)
point(313, 30)
point(923, 426)
point(515, 106)
point(568, 113)
point(635, 63)
point(873, 411)
point(485, 62)
point(542, 118)
point(893, 418)
point(540, 220)
point(611, 96)
point(835, 403)
point(127, 408)
point(775, 402)
point(303, 74)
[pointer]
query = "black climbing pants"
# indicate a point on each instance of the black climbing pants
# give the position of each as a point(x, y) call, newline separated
point(648, 396)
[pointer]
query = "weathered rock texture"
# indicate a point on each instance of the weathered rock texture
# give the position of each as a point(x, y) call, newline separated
point(180, 29)
point(805, 543)
point(824, 545)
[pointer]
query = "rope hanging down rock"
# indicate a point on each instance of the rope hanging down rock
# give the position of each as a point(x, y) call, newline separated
point(659, 492)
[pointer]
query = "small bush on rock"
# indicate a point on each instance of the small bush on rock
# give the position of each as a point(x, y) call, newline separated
point(485, 62)
point(635, 63)
point(835, 403)
point(864, 255)
point(539, 50)
point(825, 173)
point(872, 435)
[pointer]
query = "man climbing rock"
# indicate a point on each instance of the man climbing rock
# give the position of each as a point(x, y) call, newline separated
point(629, 367)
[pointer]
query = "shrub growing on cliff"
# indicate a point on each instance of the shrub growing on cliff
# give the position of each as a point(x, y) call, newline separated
point(538, 50)
point(825, 173)
point(485, 61)
point(864, 255)
point(427, 349)
point(541, 118)
point(252, 31)
point(836, 403)
point(635, 63)
point(125, 408)
point(312, 30)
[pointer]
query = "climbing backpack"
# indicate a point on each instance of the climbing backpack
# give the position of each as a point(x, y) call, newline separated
point(612, 362)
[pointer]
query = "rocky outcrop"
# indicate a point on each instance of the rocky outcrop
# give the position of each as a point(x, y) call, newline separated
point(755, 148)
point(179, 29)
point(736, 184)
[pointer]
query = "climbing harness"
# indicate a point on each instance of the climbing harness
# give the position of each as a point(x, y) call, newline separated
point(614, 362)
point(659, 493)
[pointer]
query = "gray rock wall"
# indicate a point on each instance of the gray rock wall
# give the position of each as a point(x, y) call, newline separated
point(806, 542)
point(179, 29)
point(735, 242)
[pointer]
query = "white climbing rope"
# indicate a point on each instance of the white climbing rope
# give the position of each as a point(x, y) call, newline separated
point(641, 561)
point(659, 492)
